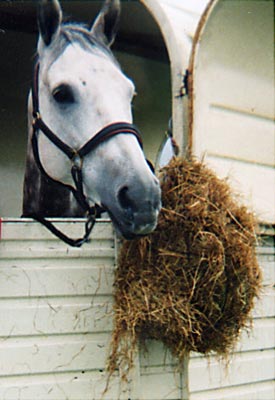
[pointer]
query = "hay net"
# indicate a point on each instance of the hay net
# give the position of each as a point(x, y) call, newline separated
point(192, 283)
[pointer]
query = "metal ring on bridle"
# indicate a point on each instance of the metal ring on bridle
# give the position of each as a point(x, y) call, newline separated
point(77, 160)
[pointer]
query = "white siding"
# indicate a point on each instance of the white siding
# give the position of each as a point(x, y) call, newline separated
point(249, 374)
point(251, 371)
point(233, 129)
point(233, 126)
point(177, 20)
point(56, 323)
point(183, 16)
point(56, 319)
point(55, 312)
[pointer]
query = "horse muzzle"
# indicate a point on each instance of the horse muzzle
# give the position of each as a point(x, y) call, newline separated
point(138, 225)
point(135, 213)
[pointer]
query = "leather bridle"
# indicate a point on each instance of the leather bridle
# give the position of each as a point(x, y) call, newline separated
point(76, 156)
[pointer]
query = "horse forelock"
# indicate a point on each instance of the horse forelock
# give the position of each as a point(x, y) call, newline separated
point(75, 33)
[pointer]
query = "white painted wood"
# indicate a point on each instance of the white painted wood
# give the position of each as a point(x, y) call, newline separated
point(244, 368)
point(46, 354)
point(233, 99)
point(88, 384)
point(254, 183)
point(177, 20)
point(251, 371)
point(22, 281)
point(257, 391)
point(54, 332)
point(161, 384)
point(18, 228)
point(55, 312)
point(43, 316)
point(262, 336)
point(56, 320)
point(231, 130)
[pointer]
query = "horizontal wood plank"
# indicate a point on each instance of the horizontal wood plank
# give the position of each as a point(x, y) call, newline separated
point(257, 391)
point(28, 229)
point(231, 131)
point(47, 281)
point(41, 355)
point(255, 183)
point(90, 385)
point(244, 368)
point(26, 249)
point(56, 316)
point(160, 384)
point(265, 306)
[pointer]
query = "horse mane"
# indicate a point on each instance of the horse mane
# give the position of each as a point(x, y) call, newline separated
point(71, 33)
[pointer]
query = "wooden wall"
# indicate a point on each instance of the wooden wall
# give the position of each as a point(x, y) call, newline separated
point(56, 324)
point(233, 100)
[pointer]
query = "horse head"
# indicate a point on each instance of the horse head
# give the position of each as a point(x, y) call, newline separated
point(82, 90)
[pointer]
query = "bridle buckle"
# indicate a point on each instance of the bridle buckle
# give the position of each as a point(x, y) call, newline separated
point(35, 117)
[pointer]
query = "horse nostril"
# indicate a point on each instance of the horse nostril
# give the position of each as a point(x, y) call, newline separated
point(124, 199)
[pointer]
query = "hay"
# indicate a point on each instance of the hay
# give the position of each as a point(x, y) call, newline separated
point(192, 282)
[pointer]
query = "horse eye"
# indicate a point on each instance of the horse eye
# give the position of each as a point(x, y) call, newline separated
point(63, 94)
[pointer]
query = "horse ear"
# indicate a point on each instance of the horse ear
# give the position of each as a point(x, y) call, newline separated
point(49, 19)
point(106, 24)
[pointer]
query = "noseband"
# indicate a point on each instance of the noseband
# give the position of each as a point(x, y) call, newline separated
point(76, 156)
